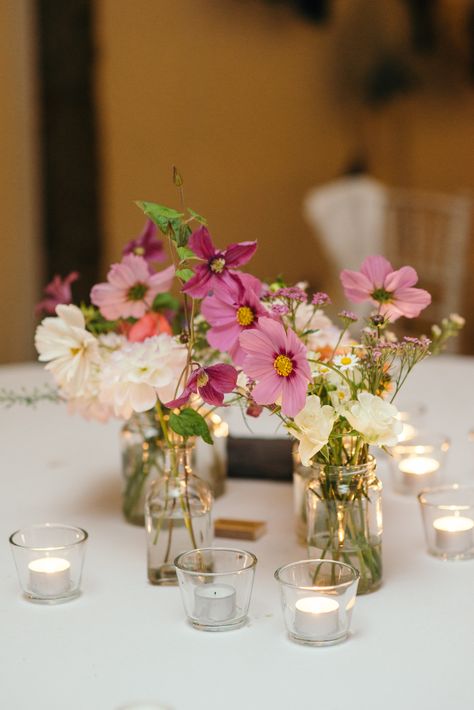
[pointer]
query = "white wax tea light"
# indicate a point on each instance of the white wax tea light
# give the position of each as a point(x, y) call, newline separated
point(454, 533)
point(214, 602)
point(418, 471)
point(50, 576)
point(316, 617)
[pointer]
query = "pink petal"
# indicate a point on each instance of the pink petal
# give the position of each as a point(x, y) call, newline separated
point(250, 282)
point(200, 284)
point(238, 254)
point(211, 395)
point(293, 395)
point(257, 342)
point(402, 278)
point(137, 265)
point(274, 331)
point(201, 243)
point(223, 337)
point(182, 399)
point(222, 377)
point(237, 354)
point(217, 310)
point(357, 287)
point(162, 280)
point(258, 366)
point(268, 389)
point(376, 269)
point(411, 301)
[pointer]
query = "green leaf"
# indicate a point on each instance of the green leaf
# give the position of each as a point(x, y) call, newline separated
point(182, 234)
point(184, 274)
point(190, 423)
point(166, 219)
point(197, 217)
point(165, 301)
point(185, 253)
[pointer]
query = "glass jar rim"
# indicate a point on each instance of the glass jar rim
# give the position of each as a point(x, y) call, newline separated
point(251, 563)
point(314, 587)
point(348, 469)
point(49, 548)
point(446, 488)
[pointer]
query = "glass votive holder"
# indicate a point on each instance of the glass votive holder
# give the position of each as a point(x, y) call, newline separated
point(49, 560)
point(317, 599)
point(418, 463)
point(448, 520)
point(411, 415)
point(216, 586)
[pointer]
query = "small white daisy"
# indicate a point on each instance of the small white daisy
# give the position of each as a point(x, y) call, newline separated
point(346, 362)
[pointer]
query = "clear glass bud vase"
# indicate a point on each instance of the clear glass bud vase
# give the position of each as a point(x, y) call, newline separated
point(142, 462)
point(344, 516)
point(177, 514)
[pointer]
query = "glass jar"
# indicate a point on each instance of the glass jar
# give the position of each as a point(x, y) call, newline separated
point(177, 514)
point(142, 462)
point(344, 513)
point(301, 476)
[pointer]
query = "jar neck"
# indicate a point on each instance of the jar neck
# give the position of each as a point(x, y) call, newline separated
point(177, 459)
point(343, 473)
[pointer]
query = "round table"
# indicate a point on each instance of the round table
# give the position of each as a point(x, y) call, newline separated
point(123, 640)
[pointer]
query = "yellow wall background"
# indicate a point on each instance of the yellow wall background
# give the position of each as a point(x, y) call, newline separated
point(20, 263)
point(240, 96)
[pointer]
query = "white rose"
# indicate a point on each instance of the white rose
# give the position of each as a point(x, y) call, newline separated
point(375, 419)
point(314, 424)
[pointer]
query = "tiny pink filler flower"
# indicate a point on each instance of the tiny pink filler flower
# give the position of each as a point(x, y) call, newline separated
point(219, 269)
point(56, 293)
point(130, 288)
point(277, 360)
point(391, 289)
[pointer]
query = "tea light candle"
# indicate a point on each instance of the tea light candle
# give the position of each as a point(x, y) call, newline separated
point(418, 471)
point(316, 617)
point(50, 576)
point(454, 533)
point(214, 602)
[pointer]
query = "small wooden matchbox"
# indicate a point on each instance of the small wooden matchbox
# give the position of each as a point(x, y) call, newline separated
point(239, 529)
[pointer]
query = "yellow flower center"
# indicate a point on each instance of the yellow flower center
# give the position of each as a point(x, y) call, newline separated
point(74, 351)
point(283, 365)
point(217, 265)
point(245, 315)
point(139, 251)
point(203, 379)
point(346, 360)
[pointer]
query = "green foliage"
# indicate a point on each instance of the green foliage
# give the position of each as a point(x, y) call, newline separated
point(190, 423)
point(197, 217)
point(165, 301)
point(168, 221)
point(185, 253)
point(95, 321)
point(184, 274)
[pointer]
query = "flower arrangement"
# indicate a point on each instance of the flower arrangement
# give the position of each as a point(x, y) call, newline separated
point(136, 348)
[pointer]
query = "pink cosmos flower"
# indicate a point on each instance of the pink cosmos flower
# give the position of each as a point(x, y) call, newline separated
point(211, 383)
point(219, 269)
point(277, 360)
point(149, 325)
point(130, 288)
point(56, 293)
point(392, 289)
point(146, 244)
point(232, 311)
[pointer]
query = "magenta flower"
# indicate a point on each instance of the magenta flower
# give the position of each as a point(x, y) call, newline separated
point(277, 360)
point(146, 244)
point(130, 289)
point(232, 311)
point(392, 290)
point(219, 269)
point(56, 293)
point(211, 383)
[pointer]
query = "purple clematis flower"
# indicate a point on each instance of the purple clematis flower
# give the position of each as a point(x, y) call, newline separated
point(219, 269)
point(146, 244)
point(56, 293)
point(211, 383)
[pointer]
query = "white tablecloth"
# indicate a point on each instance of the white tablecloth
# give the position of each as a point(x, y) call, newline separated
point(123, 640)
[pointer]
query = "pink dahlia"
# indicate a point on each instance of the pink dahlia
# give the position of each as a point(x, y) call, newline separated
point(231, 312)
point(130, 288)
point(219, 269)
point(391, 289)
point(56, 293)
point(211, 383)
point(277, 360)
point(146, 244)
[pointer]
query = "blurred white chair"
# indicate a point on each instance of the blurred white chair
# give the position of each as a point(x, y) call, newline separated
point(430, 231)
